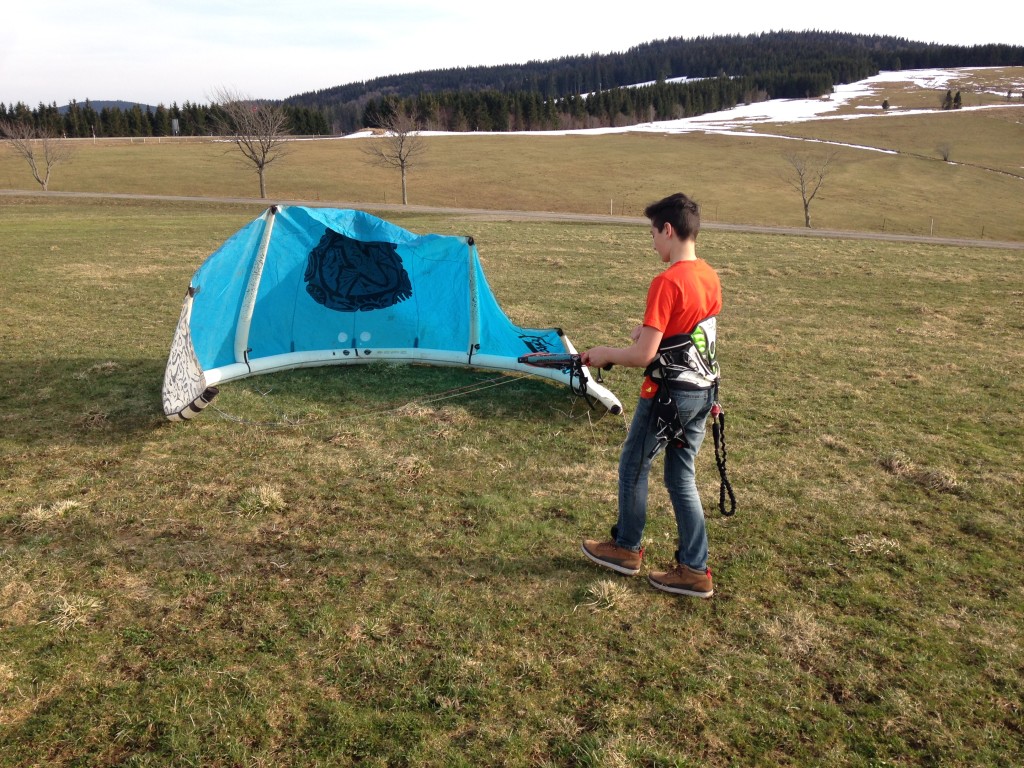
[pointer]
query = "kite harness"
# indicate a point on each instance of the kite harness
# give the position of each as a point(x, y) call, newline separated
point(689, 361)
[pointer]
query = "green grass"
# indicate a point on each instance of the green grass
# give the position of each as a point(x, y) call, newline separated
point(334, 567)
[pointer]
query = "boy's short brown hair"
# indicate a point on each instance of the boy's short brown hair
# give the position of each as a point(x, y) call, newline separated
point(679, 211)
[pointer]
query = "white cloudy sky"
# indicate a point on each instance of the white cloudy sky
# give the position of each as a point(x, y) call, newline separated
point(184, 50)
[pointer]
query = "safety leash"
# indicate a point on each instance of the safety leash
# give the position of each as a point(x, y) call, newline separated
point(721, 456)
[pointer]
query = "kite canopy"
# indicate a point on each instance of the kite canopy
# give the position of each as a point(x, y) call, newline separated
point(301, 287)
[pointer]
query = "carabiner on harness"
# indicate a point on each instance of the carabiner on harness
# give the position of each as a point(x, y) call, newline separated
point(667, 426)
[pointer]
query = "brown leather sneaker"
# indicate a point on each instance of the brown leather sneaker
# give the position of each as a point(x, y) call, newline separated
point(683, 580)
point(611, 555)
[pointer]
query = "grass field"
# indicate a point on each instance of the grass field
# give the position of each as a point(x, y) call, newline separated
point(396, 580)
point(740, 178)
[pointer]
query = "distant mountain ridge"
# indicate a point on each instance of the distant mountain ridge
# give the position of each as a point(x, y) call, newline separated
point(659, 80)
point(779, 65)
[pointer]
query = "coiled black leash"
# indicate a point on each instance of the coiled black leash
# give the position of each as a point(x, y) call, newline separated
point(721, 456)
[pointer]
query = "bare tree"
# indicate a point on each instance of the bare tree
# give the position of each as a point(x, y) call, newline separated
point(41, 148)
point(808, 176)
point(400, 147)
point(258, 128)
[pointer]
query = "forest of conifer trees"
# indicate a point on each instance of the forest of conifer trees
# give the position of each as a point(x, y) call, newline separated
point(661, 80)
point(84, 121)
point(601, 90)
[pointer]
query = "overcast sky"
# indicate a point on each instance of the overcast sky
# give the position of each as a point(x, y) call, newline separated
point(185, 50)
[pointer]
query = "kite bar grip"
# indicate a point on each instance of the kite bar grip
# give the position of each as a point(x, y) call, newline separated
point(555, 360)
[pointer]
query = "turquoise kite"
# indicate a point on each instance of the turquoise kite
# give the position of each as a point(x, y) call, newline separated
point(300, 287)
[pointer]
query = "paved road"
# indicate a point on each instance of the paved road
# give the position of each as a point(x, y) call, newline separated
point(540, 216)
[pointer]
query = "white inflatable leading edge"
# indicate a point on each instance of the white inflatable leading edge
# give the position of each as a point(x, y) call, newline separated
point(300, 287)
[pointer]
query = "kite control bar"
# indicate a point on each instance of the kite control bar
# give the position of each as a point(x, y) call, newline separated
point(555, 360)
point(561, 360)
point(571, 363)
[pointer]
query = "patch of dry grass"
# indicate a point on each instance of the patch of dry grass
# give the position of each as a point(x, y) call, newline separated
point(261, 500)
point(42, 515)
point(868, 545)
point(68, 611)
point(608, 595)
point(943, 481)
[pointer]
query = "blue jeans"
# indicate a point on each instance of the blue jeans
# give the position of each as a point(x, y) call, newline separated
point(634, 468)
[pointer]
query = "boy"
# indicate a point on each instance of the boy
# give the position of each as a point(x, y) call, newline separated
point(682, 302)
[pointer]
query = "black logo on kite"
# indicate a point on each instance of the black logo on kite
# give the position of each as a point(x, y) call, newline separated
point(535, 343)
point(346, 275)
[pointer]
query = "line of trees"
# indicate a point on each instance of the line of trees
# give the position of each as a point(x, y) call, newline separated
point(529, 111)
point(486, 110)
point(257, 128)
point(135, 121)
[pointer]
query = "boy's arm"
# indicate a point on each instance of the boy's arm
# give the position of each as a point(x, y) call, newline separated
point(638, 355)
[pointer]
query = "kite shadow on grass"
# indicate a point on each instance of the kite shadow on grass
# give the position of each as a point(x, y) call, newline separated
point(89, 399)
point(103, 399)
point(351, 391)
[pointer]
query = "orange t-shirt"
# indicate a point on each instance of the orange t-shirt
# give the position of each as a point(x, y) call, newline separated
point(679, 298)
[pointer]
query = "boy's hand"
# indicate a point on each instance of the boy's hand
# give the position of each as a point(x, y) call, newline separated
point(597, 357)
point(638, 355)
